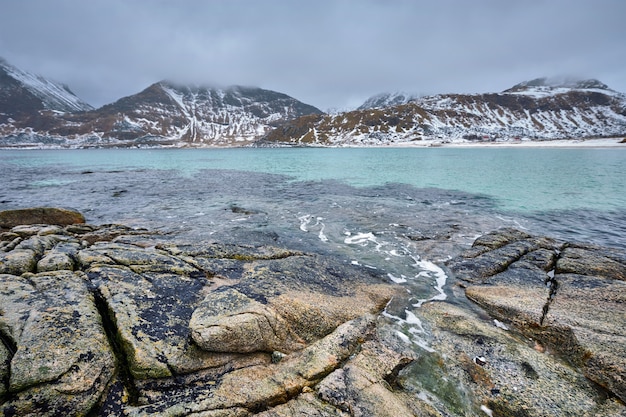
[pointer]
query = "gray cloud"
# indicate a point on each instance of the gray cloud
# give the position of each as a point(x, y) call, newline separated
point(329, 53)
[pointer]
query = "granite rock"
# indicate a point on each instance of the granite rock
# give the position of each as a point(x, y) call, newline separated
point(109, 321)
point(39, 215)
point(570, 298)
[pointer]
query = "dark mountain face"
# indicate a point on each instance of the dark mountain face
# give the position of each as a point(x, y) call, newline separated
point(15, 100)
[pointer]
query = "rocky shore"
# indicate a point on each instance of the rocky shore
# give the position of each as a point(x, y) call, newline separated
point(112, 321)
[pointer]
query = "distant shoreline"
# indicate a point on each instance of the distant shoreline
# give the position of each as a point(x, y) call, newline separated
point(556, 143)
point(615, 143)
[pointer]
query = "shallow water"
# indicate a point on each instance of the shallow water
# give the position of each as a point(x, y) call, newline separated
point(576, 193)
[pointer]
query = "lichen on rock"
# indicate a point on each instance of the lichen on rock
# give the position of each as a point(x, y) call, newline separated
point(108, 320)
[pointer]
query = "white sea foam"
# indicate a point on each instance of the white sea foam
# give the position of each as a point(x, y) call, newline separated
point(432, 271)
point(500, 325)
point(321, 234)
point(397, 280)
point(360, 239)
point(413, 326)
point(404, 337)
point(304, 222)
point(486, 410)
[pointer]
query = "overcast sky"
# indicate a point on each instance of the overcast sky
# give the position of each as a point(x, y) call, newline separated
point(331, 54)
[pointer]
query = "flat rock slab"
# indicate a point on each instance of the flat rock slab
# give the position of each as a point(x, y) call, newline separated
point(109, 321)
point(571, 298)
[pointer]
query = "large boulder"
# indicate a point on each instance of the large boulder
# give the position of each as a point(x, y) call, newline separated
point(39, 215)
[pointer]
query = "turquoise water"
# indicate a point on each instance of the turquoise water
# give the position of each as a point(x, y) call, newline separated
point(523, 180)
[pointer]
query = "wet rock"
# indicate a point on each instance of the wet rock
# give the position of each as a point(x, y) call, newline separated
point(571, 301)
point(39, 215)
point(362, 388)
point(516, 379)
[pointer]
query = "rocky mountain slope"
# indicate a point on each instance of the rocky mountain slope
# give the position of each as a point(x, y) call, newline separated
point(387, 100)
point(538, 109)
point(23, 94)
point(162, 114)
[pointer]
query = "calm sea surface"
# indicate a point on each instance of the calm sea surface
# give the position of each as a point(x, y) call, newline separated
point(400, 213)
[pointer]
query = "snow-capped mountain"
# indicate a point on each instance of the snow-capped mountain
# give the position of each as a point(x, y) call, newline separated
point(23, 93)
point(36, 112)
point(162, 114)
point(165, 112)
point(537, 109)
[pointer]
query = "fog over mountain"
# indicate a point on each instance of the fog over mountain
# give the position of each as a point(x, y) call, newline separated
point(330, 54)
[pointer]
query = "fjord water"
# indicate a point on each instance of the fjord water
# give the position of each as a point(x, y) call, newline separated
point(525, 181)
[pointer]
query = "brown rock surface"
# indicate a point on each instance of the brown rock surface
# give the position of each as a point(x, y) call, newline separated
point(39, 215)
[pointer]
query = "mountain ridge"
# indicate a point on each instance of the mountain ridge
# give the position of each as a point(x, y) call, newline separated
point(31, 90)
point(36, 112)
